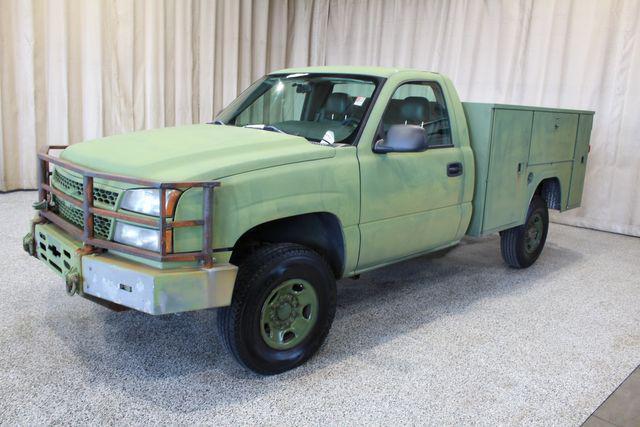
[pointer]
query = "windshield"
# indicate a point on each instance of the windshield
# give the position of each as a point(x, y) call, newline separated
point(318, 107)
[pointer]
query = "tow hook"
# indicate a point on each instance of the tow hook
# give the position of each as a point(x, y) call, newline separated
point(29, 244)
point(72, 281)
point(40, 205)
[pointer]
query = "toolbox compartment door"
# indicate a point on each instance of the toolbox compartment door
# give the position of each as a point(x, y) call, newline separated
point(580, 160)
point(553, 137)
point(507, 177)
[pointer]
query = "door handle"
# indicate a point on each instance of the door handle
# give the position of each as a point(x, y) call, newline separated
point(454, 169)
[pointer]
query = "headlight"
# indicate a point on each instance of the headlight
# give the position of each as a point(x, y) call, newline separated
point(146, 238)
point(147, 201)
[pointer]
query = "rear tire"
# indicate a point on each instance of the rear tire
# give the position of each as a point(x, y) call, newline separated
point(521, 246)
point(282, 308)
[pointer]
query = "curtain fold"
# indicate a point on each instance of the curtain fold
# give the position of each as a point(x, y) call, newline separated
point(582, 54)
point(72, 70)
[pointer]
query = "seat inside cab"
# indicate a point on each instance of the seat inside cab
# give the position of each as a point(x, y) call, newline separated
point(420, 104)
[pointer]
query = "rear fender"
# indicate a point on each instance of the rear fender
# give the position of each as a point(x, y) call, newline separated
point(541, 176)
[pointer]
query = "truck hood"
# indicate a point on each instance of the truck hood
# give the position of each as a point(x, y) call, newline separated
point(194, 152)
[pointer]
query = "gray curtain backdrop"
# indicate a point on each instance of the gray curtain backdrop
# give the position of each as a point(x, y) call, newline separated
point(79, 69)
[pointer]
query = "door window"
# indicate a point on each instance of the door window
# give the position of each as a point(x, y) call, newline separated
point(421, 104)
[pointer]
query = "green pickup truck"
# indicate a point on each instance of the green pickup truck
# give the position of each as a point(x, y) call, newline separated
point(310, 175)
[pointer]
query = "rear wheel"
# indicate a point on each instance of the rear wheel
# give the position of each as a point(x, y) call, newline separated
point(282, 308)
point(521, 246)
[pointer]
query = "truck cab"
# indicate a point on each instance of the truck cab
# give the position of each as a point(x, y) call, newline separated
point(310, 175)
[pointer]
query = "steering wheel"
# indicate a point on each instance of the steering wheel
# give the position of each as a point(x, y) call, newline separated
point(350, 122)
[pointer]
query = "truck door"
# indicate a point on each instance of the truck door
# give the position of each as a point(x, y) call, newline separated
point(410, 202)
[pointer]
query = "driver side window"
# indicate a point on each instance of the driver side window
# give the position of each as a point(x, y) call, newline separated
point(421, 104)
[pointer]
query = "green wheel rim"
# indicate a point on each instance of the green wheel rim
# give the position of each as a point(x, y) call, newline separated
point(533, 234)
point(288, 314)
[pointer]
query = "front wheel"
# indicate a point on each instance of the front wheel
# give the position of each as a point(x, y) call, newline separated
point(282, 308)
point(521, 246)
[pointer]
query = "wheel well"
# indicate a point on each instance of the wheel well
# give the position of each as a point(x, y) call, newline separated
point(549, 190)
point(320, 231)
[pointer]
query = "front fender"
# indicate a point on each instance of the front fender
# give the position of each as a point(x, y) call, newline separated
point(247, 200)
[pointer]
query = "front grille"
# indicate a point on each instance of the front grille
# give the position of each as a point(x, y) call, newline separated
point(70, 213)
point(75, 189)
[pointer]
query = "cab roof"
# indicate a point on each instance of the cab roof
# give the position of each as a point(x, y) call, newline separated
point(354, 70)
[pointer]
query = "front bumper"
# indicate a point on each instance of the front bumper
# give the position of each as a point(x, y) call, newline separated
point(120, 281)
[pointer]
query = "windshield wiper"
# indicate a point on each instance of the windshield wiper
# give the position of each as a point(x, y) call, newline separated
point(270, 128)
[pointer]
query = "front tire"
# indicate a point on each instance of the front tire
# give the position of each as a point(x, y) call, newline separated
point(282, 308)
point(521, 246)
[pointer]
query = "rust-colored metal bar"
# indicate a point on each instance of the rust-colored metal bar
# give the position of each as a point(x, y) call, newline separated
point(121, 178)
point(86, 233)
point(87, 204)
point(186, 223)
point(183, 256)
point(163, 219)
point(207, 217)
point(66, 226)
point(173, 185)
point(96, 174)
point(43, 179)
point(131, 218)
point(110, 245)
point(104, 212)
point(63, 196)
point(107, 244)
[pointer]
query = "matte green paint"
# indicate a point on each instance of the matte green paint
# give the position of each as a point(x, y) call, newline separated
point(538, 173)
point(49, 238)
point(580, 160)
point(408, 204)
point(390, 206)
point(247, 200)
point(507, 178)
point(288, 314)
point(553, 137)
point(535, 230)
point(481, 118)
point(516, 148)
point(195, 152)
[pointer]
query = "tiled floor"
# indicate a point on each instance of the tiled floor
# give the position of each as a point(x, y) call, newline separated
point(622, 408)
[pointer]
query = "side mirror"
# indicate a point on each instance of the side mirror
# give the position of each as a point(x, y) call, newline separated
point(402, 139)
